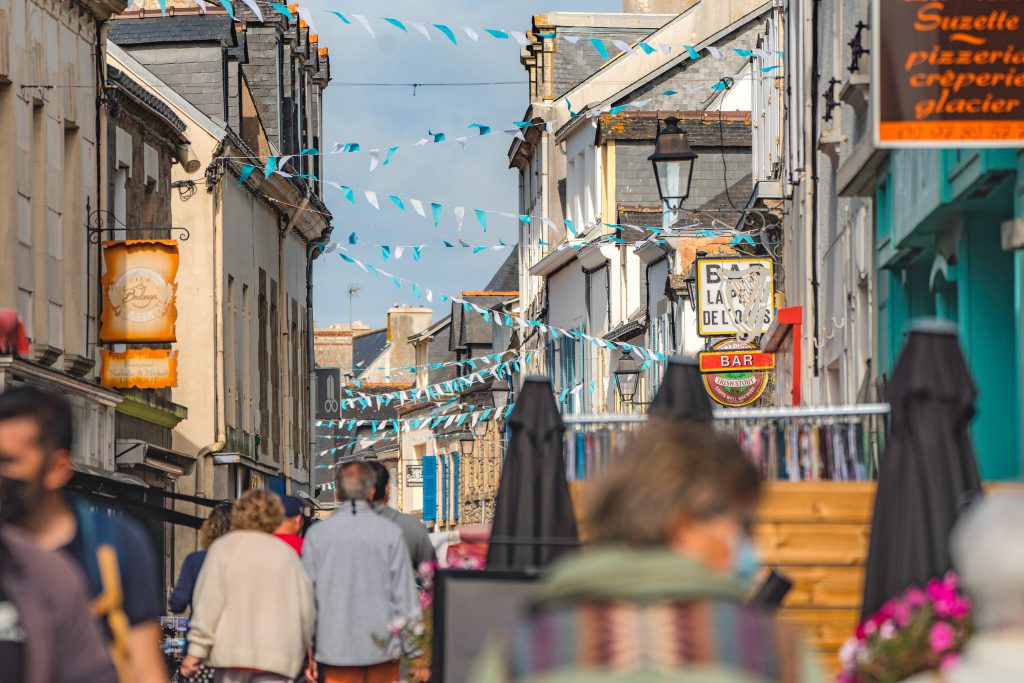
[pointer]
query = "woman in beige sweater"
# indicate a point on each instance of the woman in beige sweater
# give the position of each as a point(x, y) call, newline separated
point(253, 613)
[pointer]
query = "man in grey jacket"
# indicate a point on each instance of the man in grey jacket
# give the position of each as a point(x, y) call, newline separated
point(417, 540)
point(363, 584)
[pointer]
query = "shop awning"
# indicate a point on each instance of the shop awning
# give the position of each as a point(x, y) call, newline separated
point(145, 454)
point(125, 492)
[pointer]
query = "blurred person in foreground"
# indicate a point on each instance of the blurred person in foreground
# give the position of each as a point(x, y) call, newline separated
point(111, 550)
point(213, 527)
point(47, 633)
point(252, 613)
point(417, 539)
point(290, 527)
point(988, 553)
point(658, 597)
point(364, 586)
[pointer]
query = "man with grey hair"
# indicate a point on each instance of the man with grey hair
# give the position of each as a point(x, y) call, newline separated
point(988, 553)
point(363, 583)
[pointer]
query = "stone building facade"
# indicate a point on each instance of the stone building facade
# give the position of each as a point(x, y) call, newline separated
point(591, 167)
point(52, 141)
point(246, 353)
point(333, 344)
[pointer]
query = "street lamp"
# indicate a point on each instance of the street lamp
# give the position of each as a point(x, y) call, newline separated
point(466, 443)
point(627, 377)
point(691, 281)
point(500, 391)
point(673, 164)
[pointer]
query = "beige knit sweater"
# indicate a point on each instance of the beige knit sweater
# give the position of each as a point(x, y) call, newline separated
point(253, 606)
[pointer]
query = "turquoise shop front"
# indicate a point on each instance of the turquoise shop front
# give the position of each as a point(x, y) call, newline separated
point(940, 253)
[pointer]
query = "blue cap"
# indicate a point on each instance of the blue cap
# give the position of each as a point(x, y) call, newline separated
point(292, 506)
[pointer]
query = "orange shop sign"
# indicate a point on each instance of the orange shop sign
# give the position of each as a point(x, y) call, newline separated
point(735, 361)
point(139, 368)
point(948, 73)
point(139, 291)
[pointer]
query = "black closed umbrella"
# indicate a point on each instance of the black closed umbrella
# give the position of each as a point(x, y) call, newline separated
point(682, 394)
point(533, 517)
point(928, 472)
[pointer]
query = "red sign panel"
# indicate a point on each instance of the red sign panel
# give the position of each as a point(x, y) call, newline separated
point(735, 361)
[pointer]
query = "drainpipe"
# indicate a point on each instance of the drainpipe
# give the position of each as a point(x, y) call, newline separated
point(208, 449)
point(284, 332)
point(311, 250)
point(812, 185)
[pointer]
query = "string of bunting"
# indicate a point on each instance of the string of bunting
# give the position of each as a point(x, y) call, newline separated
point(500, 318)
point(389, 251)
point(383, 156)
point(437, 210)
point(412, 369)
point(431, 392)
point(452, 34)
point(399, 426)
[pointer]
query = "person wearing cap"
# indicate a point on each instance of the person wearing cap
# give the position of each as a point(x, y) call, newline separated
point(289, 529)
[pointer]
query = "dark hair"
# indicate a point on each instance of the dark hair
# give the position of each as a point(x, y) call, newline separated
point(382, 477)
point(51, 412)
point(669, 473)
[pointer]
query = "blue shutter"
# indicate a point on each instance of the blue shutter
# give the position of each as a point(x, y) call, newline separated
point(444, 488)
point(455, 486)
point(429, 488)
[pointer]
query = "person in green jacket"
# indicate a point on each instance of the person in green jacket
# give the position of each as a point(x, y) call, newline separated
point(657, 595)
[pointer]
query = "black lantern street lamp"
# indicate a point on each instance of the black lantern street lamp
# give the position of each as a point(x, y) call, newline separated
point(673, 164)
point(691, 280)
point(466, 442)
point(627, 377)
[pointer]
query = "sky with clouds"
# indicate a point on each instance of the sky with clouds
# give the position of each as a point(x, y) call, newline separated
point(382, 117)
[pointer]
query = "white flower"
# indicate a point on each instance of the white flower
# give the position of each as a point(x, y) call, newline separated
point(887, 631)
point(848, 653)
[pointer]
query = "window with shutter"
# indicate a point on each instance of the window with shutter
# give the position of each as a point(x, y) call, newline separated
point(455, 486)
point(429, 488)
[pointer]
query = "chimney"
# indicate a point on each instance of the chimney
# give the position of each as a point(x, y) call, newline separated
point(657, 6)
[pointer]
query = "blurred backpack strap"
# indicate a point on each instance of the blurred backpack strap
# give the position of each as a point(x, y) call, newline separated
point(110, 605)
point(104, 573)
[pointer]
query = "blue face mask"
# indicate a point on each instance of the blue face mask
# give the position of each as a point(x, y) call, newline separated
point(746, 561)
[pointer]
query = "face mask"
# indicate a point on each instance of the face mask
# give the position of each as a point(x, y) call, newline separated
point(746, 562)
point(16, 500)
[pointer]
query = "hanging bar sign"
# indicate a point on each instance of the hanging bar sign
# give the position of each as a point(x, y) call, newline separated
point(726, 361)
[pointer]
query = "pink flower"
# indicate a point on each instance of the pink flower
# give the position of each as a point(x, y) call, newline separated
point(901, 613)
point(846, 677)
point(941, 637)
point(949, 661)
point(915, 597)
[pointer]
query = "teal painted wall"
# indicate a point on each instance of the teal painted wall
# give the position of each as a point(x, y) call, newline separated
point(982, 292)
point(987, 320)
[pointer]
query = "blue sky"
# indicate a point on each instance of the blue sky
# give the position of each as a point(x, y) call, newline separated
point(386, 116)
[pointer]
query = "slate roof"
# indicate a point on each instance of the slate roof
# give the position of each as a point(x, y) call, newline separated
point(367, 347)
point(183, 29)
point(115, 75)
point(469, 327)
point(506, 278)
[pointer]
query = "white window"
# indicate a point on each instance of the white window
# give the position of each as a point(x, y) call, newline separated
point(54, 239)
point(55, 325)
point(25, 310)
